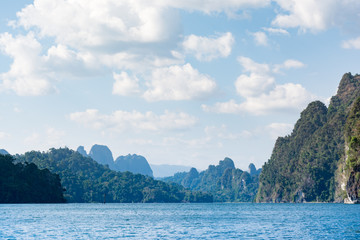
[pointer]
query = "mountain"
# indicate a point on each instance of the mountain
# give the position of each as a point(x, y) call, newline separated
point(102, 155)
point(351, 162)
point(82, 151)
point(3, 152)
point(225, 182)
point(133, 163)
point(25, 183)
point(307, 165)
point(166, 170)
point(85, 180)
point(253, 171)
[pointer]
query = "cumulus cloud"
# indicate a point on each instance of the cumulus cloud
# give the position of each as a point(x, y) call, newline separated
point(352, 43)
point(316, 15)
point(178, 83)
point(33, 73)
point(210, 6)
point(290, 63)
point(261, 93)
point(99, 23)
point(122, 120)
point(257, 82)
point(207, 49)
point(125, 85)
point(26, 75)
point(260, 38)
point(282, 98)
point(276, 130)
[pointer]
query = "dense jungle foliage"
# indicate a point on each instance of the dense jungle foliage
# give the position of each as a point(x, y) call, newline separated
point(25, 183)
point(302, 166)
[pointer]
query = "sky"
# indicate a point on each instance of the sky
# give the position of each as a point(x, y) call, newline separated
point(179, 82)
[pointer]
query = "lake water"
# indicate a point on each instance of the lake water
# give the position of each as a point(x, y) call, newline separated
point(179, 221)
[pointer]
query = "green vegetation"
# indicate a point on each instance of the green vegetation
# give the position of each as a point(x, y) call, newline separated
point(303, 165)
point(85, 180)
point(224, 181)
point(25, 183)
point(352, 157)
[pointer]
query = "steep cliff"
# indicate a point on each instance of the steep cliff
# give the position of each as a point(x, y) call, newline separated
point(102, 155)
point(351, 164)
point(303, 166)
point(133, 163)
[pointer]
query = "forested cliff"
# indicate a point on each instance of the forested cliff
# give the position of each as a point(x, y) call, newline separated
point(308, 165)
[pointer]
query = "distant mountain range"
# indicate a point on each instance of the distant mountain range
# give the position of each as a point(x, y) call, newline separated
point(85, 180)
point(225, 182)
point(132, 163)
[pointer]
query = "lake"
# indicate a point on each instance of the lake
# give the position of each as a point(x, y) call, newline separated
point(180, 221)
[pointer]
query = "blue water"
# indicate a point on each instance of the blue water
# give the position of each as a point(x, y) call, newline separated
point(180, 221)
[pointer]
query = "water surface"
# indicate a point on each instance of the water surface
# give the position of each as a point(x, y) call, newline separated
point(179, 221)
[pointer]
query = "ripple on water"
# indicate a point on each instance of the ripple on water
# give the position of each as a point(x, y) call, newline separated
point(180, 221)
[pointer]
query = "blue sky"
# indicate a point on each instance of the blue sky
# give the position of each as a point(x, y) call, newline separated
point(179, 82)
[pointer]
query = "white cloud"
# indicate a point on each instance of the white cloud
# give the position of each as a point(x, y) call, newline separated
point(207, 49)
point(352, 43)
point(224, 107)
point(253, 84)
point(260, 38)
point(210, 6)
point(282, 98)
point(125, 85)
point(317, 15)
point(276, 130)
point(100, 23)
point(120, 121)
point(288, 64)
point(178, 83)
point(253, 67)
point(257, 82)
point(262, 94)
point(276, 31)
point(32, 73)
point(26, 75)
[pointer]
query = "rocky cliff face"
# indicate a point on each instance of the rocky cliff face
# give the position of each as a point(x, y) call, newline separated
point(351, 163)
point(102, 155)
point(304, 166)
point(133, 163)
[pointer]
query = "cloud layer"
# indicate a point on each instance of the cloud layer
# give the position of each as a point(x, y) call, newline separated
point(120, 121)
point(178, 83)
point(261, 93)
point(207, 49)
